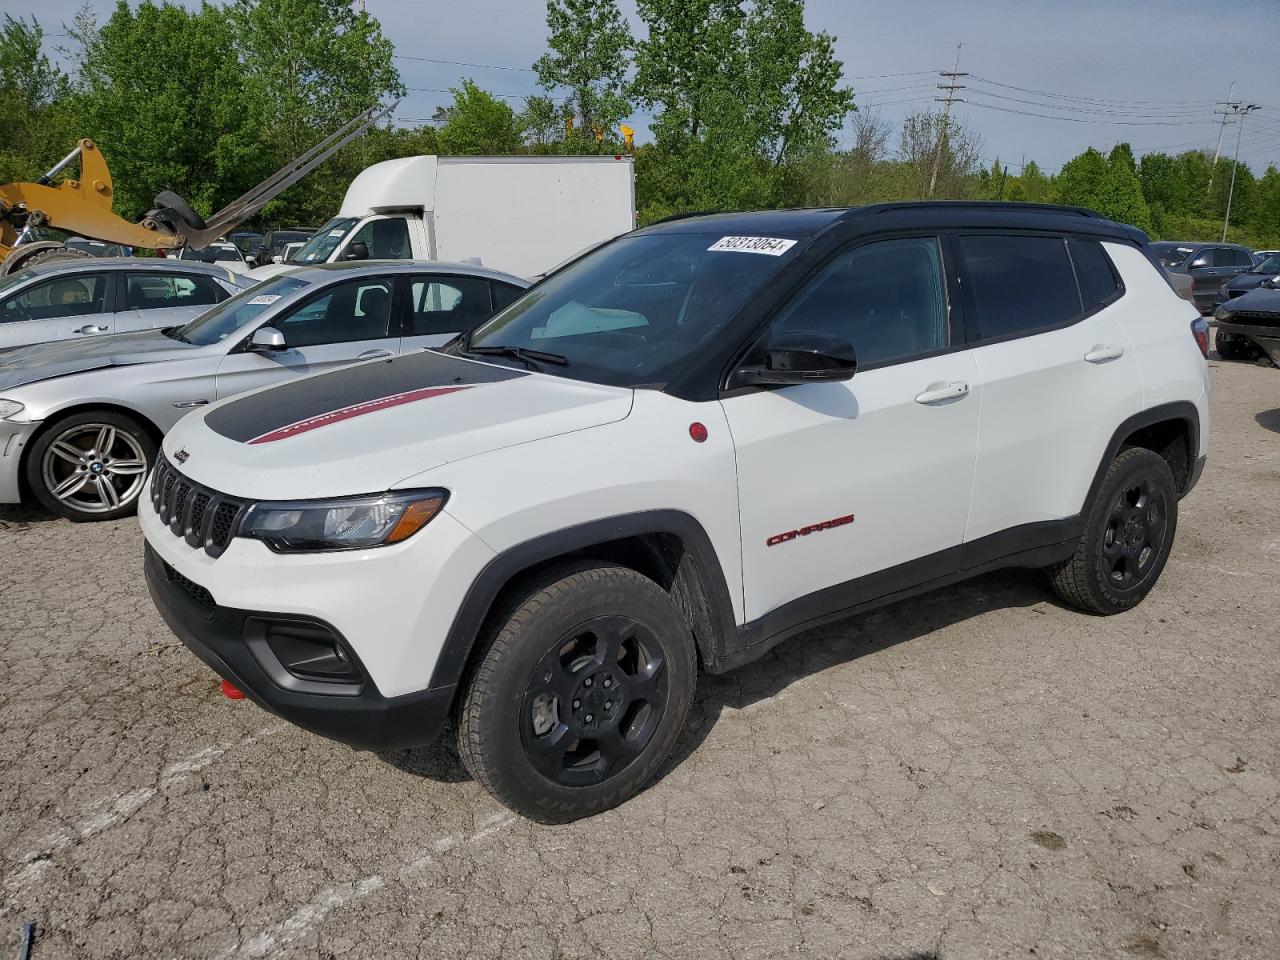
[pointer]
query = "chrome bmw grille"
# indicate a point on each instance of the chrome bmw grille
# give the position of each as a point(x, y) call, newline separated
point(204, 518)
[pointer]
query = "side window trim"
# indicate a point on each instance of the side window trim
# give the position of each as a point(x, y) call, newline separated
point(956, 340)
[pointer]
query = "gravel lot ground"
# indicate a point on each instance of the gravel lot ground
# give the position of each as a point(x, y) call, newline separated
point(978, 773)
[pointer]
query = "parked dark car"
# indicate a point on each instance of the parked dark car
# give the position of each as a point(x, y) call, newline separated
point(1241, 284)
point(1248, 326)
point(246, 241)
point(273, 242)
point(1208, 264)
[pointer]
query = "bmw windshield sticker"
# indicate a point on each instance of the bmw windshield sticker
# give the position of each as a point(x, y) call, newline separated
point(355, 410)
point(769, 246)
point(264, 298)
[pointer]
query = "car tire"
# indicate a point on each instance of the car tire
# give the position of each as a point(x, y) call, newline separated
point(1128, 534)
point(51, 255)
point(167, 200)
point(581, 693)
point(71, 477)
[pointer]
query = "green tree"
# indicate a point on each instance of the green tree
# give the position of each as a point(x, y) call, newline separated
point(1122, 197)
point(590, 52)
point(479, 124)
point(34, 122)
point(309, 66)
point(161, 93)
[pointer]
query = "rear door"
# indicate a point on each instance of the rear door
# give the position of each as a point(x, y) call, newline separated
point(340, 324)
point(437, 307)
point(1209, 269)
point(1058, 376)
point(151, 298)
point(67, 307)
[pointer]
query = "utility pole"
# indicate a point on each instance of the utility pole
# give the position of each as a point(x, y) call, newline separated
point(951, 87)
point(1231, 191)
point(1228, 106)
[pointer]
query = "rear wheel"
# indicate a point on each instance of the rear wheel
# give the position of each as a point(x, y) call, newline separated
point(581, 694)
point(1128, 534)
point(91, 466)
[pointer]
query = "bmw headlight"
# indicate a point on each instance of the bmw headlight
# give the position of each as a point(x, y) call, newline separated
point(348, 523)
point(10, 408)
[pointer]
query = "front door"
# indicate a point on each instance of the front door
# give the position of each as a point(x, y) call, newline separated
point(72, 306)
point(341, 324)
point(840, 480)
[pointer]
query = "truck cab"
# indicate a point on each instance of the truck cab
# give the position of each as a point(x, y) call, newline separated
point(522, 215)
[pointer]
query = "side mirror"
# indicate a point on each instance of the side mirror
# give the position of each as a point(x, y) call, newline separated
point(251, 259)
point(277, 259)
point(805, 356)
point(357, 250)
point(266, 340)
point(1199, 262)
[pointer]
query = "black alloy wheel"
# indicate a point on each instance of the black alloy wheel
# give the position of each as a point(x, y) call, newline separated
point(594, 701)
point(1135, 533)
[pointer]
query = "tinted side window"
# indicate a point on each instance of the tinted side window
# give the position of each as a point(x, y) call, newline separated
point(1018, 284)
point(1243, 258)
point(1097, 278)
point(387, 239)
point(447, 305)
point(348, 312)
point(73, 295)
point(887, 298)
point(1222, 257)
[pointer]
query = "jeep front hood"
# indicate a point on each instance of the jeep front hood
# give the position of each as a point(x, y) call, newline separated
point(364, 428)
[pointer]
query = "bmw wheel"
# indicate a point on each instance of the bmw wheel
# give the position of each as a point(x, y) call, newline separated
point(91, 466)
point(580, 695)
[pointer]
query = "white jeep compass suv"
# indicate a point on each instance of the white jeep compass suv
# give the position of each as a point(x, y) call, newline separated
point(695, 441)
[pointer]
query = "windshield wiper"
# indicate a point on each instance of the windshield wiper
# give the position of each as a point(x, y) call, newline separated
point(173, 334)
point(531, 357)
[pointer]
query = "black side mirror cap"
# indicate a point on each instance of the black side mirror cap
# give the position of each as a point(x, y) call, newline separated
point(805, 356)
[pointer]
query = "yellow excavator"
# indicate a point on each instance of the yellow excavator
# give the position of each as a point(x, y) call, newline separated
point(81, 206)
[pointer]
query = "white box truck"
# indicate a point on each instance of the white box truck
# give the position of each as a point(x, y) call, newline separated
point(522, 215)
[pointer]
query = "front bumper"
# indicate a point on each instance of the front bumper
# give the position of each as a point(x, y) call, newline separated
point(226, 639)
point(1265, 335)
point(14, 438)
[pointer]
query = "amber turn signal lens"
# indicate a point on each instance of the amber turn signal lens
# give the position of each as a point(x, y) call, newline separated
point(415, 517)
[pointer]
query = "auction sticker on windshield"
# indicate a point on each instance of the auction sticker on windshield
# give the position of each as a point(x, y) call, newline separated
point(264, 298)
point(769, 246)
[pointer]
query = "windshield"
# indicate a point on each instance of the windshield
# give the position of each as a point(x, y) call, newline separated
point(13, 279)
point(1270, 265)
point(320, 247)
point(230, 315)
point(634, 311)
point(1172, 254)
point(211, 254)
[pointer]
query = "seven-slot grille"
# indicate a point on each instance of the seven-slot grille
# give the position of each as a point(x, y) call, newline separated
point(203, 517)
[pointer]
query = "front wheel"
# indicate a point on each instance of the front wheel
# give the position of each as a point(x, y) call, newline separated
point(580, 695)
point(1128, 535)
point(91, 466)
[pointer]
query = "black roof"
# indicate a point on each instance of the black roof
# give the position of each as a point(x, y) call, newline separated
point(935, 214)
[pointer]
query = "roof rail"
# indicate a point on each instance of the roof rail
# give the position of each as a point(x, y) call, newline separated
point(985, 205)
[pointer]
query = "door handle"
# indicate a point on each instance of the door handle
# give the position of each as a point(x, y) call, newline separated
point(937, 393)
point(375, 355)
point(90, 328)
point(1102, 352)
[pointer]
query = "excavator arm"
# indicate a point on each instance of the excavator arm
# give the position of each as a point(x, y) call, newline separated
point(82, 206)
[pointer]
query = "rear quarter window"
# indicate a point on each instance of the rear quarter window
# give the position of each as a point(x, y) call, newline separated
point(1099, 284)
point(1016, 285)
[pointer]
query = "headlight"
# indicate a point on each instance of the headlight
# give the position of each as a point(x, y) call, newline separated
point(10, 408)
point(1222, 313)
point(350, 523)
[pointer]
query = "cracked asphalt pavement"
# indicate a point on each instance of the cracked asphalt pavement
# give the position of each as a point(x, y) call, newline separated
point(973, 774)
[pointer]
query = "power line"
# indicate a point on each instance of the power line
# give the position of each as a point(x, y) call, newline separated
point(464, 63)
point(1093, 111)
point(1100, 100)
point(1123, 123)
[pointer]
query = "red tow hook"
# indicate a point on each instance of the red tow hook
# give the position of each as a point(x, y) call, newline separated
point(231, 691)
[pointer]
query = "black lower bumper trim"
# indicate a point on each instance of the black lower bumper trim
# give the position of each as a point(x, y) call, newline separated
point(1197, 468)
point(365, 719)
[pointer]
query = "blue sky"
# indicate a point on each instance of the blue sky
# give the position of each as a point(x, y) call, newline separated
point(1140, 72)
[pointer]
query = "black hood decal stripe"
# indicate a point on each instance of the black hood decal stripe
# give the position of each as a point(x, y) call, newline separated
point(363, 386)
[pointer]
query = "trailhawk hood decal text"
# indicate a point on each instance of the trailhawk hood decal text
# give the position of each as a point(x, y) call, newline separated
point(354, 410)
point(315, 402)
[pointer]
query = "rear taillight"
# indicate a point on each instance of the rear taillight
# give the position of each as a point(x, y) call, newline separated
point(1200, 330)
